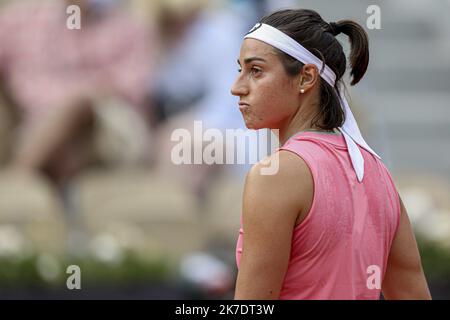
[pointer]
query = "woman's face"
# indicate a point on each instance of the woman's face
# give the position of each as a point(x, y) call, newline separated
point(269, 97)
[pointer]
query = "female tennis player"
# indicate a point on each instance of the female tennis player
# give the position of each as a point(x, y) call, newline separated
point(330, 223)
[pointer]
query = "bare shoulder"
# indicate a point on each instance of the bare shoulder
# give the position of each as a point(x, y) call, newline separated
point(289, 187)
point(271, 206)
point(285, 165)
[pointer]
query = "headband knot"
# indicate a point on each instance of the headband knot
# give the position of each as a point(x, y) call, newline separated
point(335, 28)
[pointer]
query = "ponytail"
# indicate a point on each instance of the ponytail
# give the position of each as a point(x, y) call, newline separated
point(359, 55)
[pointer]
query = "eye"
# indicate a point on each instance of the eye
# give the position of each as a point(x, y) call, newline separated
point(255, 71)
point(239, 70)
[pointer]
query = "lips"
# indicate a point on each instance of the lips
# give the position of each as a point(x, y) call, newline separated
point(243, 105)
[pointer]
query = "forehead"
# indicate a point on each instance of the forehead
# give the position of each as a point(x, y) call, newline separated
point(256, 48)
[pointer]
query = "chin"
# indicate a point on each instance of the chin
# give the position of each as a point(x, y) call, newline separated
point(252, 126)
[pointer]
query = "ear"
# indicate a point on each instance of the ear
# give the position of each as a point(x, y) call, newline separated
point(309, 76)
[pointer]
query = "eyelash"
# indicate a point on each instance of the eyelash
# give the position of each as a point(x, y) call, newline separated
point(253, 70)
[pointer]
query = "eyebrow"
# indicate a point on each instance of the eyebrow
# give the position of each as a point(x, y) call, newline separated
point(248, 60)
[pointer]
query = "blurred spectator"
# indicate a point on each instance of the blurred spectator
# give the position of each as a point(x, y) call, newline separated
point(202, 44)
point(193, 81)
point(56, 78)
point(202, 41)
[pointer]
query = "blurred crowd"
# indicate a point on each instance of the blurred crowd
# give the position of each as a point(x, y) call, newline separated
point(102, 95)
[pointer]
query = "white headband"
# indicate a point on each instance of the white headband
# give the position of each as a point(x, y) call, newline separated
point(350, 130)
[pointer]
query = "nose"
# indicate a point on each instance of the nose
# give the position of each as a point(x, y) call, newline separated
point(238, 88)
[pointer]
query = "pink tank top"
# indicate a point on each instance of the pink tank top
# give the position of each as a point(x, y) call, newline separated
point(340, 250)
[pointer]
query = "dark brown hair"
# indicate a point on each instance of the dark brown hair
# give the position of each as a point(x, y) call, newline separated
point(309, 29)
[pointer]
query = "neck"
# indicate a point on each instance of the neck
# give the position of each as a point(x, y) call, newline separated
point(300, 121)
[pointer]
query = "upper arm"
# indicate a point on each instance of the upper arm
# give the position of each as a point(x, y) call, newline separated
point(271, 204)
point(404, 278)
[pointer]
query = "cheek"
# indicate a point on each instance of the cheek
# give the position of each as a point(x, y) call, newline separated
point(274, 101)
